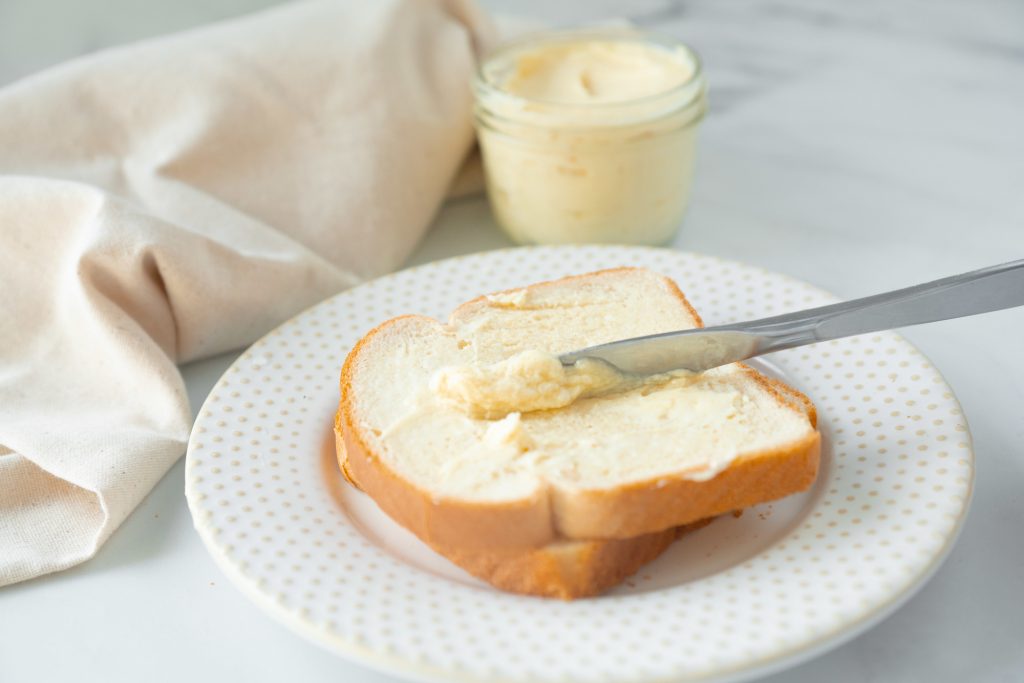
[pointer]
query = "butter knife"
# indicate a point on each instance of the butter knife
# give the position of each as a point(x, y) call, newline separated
point(979, 291)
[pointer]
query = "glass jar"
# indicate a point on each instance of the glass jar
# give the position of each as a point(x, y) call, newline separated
point(581, 164)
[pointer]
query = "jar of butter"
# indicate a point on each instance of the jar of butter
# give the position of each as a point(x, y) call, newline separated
point(589, 136)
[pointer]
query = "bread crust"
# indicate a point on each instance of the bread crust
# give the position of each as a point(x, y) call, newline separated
point(565, 570)
point(576, 569)
point(623, 512)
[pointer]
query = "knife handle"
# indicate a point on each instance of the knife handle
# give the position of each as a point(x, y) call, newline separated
point(979, 291)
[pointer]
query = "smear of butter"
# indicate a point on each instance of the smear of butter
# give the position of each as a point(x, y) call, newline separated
point(504, 444)
point(508, 433)
point(528, 381)
point(516, 298)
point(533, 380)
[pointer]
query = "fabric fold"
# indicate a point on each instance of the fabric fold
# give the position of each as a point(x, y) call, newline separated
point(171, 200)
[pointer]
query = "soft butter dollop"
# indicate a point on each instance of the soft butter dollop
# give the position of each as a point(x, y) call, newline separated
point(596, 72)
point(525, 382)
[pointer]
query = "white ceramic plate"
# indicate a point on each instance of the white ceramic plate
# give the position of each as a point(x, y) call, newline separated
point(742, 597)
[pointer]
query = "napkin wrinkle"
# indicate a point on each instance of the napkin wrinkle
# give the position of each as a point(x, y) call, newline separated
point(173, 199)
point(35, 529)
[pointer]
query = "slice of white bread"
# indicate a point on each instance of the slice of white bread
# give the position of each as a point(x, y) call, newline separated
point(619, 466)
point(565, 569)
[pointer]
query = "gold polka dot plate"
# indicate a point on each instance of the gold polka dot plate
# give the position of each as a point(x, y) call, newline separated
point(742, 597)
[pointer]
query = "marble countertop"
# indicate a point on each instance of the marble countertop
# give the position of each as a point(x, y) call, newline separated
point(858, 146)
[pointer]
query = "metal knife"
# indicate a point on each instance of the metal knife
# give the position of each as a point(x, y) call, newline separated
point(979, 291)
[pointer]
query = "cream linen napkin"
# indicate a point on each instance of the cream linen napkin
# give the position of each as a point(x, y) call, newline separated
point(178, 198)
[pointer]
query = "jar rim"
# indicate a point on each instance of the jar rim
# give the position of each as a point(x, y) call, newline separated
point(484, 86)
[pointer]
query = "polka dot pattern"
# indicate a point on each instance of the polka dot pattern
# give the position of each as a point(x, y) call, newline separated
point(893, 490)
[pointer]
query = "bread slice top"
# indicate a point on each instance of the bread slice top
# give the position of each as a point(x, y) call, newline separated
point(549, 468)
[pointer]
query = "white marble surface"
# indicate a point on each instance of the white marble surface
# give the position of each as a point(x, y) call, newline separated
point(859, 146)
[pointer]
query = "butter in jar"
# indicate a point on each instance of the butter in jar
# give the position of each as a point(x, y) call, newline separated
point(589, 136)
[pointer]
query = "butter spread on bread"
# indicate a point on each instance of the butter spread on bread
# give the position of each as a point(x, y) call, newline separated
point(588, 459)
point(528, 381)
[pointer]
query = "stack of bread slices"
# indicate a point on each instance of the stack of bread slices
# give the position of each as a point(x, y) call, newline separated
point(563, 501)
